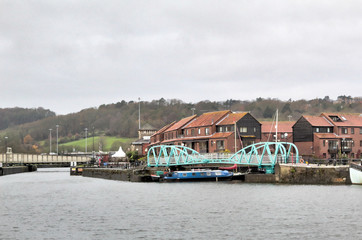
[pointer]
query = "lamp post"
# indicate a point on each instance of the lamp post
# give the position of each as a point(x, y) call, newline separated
point(6, 149)
point(139, 113)
point(93, 144)
point(86, 129)
point(57, 139)
point(50, 140)
point(193, 111)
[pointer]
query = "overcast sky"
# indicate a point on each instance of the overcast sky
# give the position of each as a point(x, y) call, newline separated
point(70, 55)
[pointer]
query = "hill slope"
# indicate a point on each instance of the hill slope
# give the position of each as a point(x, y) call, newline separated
point(121, 119)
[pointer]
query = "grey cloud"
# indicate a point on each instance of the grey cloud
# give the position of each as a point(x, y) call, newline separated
point(69, 55)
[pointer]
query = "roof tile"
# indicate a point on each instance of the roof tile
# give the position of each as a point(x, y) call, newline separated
point(181, 123)
point(232, 118)
point(207, 119)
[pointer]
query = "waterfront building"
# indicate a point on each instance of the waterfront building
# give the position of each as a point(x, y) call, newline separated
point(284, 132)
point(211, 132)
point(158, 137)
point(143, 141)
point(330, 135)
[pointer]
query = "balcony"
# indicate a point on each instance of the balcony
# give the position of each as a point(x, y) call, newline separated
point(332, 150)
point(346, 149)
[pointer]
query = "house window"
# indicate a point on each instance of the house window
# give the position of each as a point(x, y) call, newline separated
point(324, 155)
point(360, 130)
point(328, 130)
point(360, 143)
point(192, 132)
point(317, 129)
point(226, 129)
point(199, 131)
point(243, 129)
point(220, 144)
point(344, 130)
point(187, 132)
point(220, 129)
point(352, 130)
point(255, 129)
point(207, 131)
point(324, 143)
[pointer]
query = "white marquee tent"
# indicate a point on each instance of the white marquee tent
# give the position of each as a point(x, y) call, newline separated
point(119, 153)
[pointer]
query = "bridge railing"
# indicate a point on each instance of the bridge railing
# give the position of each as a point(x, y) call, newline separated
point(19, 158)
point(265, 154)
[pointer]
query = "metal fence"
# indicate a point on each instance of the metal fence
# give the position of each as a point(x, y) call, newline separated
point(19, 158)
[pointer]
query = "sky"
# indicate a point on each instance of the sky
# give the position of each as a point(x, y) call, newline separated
point(68, 55)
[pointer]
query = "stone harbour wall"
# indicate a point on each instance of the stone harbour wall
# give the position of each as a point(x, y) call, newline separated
point(17, 169)
point(118, 174)
point(312, 174)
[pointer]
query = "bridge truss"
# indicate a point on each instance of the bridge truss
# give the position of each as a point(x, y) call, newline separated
point(263, 155)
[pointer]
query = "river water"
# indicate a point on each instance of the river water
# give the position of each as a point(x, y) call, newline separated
point(51, 204)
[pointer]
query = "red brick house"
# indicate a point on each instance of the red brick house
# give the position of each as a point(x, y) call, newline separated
point(284, 134)
point(175, 133)
point(212, 132)
point(158, 137)
point(330, 135)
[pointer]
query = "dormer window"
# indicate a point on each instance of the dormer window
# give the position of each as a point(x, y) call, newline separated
point(335, 118)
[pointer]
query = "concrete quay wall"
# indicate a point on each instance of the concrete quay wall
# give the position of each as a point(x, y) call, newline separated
point(131, 175)
point(17, 169)
point(284, 174)
point(312, 174)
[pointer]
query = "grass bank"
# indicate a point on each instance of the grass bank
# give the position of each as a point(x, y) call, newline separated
point(102, 143)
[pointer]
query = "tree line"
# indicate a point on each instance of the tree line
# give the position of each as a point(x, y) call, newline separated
point(28, 129)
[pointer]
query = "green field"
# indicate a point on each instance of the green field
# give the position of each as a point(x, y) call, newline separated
point(103, 143)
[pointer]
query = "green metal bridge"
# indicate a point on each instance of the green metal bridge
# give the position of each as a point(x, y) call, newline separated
point(264, 155)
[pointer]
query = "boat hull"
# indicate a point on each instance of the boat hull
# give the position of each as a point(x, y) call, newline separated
point(355, 175)
point(217, 175)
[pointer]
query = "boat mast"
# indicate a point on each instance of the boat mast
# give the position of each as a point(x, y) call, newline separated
point(276, 127)
point(235, 135)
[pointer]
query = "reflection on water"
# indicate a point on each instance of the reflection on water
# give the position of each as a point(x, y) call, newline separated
point(50, 204)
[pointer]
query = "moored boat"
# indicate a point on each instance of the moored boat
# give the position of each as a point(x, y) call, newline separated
point(355, 173)
point(198, 175)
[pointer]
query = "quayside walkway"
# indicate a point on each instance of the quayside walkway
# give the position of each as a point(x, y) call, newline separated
point(263, 155)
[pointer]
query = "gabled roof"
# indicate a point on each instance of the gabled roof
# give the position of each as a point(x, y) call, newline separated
point(164, 128)
point(181, 123)
point(147, 127)
point(318, 121)
point(283, 126)
point(344, 119)
point(231, 118)
point(207, 119)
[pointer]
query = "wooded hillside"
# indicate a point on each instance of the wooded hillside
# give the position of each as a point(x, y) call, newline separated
point(121, 118)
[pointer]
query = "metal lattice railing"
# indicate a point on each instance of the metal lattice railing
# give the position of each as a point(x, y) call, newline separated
point(264, 154)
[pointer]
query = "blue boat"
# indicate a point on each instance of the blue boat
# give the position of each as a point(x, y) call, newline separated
point(198, 175)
